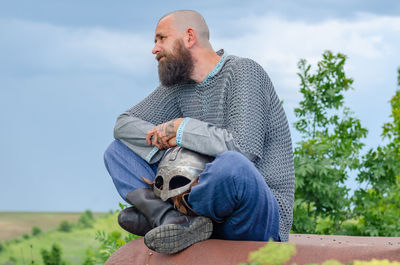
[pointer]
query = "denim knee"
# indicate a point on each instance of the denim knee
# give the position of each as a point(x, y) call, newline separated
point(113, 151)
point(231, 163)
point(235, 158)
point(109, 153)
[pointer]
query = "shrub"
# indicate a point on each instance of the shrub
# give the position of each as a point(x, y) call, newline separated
point(65, 226)
point(13, 241)
point(1, 247)
point(52, 257)
point(91, 257)
point(36, 230)
point(89, 214)
point(25, 236)
point(85, 222)
point(110, 242)
point(86, 219)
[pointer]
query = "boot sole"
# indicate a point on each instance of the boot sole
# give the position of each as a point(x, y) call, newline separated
point(172, 238)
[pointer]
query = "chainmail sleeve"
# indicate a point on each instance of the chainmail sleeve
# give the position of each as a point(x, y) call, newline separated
point(132, 125)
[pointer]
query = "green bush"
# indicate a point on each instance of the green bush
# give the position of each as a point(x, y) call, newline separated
point(91, 257)
point(65, 226)
point(89, 214)
point(110, 242)
point(25, 236)
point(1, 247)
point(52, 257)
point(13, 241)
point(86, 220)
point(36, 230)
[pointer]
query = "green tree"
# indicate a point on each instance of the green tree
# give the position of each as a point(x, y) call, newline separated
point(377, 204)
point(52, 257)
point(330, 145)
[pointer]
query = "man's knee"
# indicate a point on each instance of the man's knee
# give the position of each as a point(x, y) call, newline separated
point(232, 161)
point(112, 151)
point(230, 164)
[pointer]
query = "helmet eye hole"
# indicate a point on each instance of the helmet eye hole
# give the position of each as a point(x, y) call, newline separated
point(159, 182)
point(178, 181)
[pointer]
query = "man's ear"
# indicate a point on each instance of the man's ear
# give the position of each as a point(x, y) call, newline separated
point(190, 38)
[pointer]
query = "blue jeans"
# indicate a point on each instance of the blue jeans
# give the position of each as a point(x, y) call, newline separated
point(231, 191)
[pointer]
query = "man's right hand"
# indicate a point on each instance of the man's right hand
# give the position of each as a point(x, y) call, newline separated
point(163, 136)
point(172, 142)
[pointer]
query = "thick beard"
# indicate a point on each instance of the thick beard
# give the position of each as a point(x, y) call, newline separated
point(176, 67)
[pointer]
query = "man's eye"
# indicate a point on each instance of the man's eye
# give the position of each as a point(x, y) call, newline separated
point(159, 38)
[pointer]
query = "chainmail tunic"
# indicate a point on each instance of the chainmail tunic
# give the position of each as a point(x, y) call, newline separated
point(237, 108)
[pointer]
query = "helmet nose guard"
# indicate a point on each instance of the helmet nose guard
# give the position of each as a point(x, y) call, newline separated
point(177, 171)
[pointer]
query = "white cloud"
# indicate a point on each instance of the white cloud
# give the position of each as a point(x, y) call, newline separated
point(44, 46)
point(278, 44)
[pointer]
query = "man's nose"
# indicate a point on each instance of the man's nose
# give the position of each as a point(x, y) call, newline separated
point(156, 49)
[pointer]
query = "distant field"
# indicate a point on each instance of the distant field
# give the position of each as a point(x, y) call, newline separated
point(74, 244)
point(15, 224)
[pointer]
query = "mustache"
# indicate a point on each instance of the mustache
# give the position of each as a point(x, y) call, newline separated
point(160, 55)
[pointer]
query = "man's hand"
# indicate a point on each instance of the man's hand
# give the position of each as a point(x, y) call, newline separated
point(163, 136)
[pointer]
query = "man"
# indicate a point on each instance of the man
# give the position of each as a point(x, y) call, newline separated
point(214, 104)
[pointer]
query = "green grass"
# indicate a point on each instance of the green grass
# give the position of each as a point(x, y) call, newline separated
point(74, 244)
point(15, 224)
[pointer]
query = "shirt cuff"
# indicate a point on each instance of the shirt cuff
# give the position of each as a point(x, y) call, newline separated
point(179, 133)
point(151, 154)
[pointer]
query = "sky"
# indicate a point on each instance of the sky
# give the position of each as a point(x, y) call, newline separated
point(69, 68)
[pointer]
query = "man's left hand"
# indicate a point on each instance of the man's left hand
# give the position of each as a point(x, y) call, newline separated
point(162, 135)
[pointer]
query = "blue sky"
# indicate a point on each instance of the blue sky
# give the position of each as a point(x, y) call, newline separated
point(69, 68)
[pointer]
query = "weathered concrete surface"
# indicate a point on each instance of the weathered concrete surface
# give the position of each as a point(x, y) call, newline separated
point(310, 249)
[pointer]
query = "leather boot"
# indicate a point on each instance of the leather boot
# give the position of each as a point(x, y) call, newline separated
point(173, 231)
point(133, 221)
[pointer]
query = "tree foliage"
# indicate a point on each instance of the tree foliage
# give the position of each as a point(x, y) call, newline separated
point(377, 204)
point(330, 149)
point(331, 141)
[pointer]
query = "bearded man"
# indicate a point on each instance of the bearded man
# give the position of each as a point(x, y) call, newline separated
point(214, 104)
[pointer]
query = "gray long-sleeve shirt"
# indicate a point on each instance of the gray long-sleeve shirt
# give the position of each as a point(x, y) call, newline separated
point(234, 108)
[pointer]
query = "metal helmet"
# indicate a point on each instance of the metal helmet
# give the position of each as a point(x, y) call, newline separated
point(177, 171)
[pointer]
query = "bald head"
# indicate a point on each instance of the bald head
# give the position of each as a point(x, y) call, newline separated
point(184, 19)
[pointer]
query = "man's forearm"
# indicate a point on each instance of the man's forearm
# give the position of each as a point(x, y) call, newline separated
point(132, 132)
point(207, 139)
